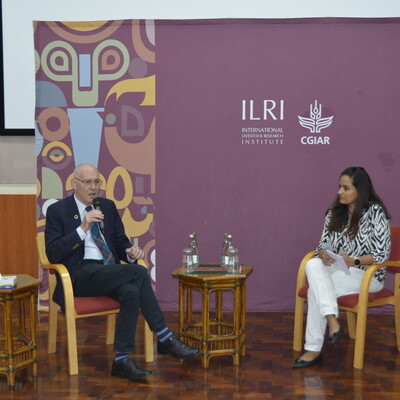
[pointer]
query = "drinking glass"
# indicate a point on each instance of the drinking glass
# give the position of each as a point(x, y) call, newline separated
point(188, 264)
point(233, 261)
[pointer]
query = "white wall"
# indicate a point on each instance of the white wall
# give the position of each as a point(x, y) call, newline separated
point(17, 154)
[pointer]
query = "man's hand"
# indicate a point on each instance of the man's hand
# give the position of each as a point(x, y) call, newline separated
point(135, 252)
point(91, 217)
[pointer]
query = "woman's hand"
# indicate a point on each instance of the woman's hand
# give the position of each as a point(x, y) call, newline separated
point(347, 259)
point(364, 260)
point(325, 257)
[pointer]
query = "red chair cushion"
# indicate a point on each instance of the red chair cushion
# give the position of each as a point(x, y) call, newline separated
point(351, 300)
point(90, 305)
point(303, 292)
point(394, 270)
point(395, 238)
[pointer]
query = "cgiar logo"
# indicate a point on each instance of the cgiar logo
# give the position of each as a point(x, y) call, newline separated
point(314, 124)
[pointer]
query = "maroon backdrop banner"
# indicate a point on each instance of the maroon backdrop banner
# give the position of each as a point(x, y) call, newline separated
point(256, 119)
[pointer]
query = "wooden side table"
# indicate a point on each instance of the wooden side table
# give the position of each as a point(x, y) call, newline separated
point(213, 336)
point(17, 351)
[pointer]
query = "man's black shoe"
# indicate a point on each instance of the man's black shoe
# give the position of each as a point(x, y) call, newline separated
point(176, 348)
point(127, 368)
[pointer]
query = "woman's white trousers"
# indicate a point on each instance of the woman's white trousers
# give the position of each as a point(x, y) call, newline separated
point(326, 284)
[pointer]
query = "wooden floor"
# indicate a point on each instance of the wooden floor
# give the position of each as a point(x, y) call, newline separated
point(265, 372)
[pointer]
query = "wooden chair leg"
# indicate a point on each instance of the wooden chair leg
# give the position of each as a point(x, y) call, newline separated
point(110, 329)
point(53, 315)
point(148, 343)
point(52, 333)
point(298, 324)
point(397, 309)
point(360, 338)
point(72, 345)
point(351, 324)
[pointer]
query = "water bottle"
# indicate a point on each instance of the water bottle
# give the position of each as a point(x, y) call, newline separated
point(193, 245)
point(224, 251)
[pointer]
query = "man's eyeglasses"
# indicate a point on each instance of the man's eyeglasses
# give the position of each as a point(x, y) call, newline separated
point(89, 182)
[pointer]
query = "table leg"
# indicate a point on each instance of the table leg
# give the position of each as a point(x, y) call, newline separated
point(237, 314)
point(181, 306)
point(32, 310)
point(243, 319)
point(21, 318)
point(189, 304)
point(9, 342)
point(206, 326)
point(218, 310)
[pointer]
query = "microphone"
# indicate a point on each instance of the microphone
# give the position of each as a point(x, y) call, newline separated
point(96, 205)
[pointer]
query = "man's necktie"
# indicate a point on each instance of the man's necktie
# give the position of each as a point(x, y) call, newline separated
point(108, 258)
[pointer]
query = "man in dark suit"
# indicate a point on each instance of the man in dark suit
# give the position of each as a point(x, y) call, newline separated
point(73, 238)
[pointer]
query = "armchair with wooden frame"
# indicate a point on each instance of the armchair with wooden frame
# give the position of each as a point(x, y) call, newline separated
point(81, 307)
point(356, 305)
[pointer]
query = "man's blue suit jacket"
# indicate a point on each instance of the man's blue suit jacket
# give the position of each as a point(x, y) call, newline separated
point(63, 244)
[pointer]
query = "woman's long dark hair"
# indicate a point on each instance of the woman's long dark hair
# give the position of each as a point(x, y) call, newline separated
point(366, 196)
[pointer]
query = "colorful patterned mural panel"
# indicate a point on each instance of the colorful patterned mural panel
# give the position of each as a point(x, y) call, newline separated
point(95, 98)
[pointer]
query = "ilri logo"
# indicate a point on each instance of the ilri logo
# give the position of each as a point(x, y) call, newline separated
point(315, 123)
